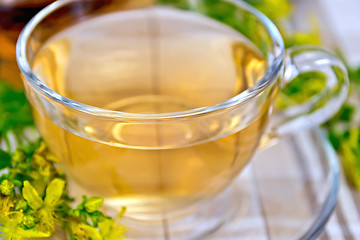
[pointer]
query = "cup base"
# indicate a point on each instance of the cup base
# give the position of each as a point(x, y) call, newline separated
point(190, 223)
point(195, 222)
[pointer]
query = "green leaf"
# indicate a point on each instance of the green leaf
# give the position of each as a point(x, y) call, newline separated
point(5, 160)
point(53, 192)
point(31, 196)
point(302, 38)
point(15, 110)
point(350, 164)
point(350, 152)
point(354, 74)
point(335, 140)
point(347, 113)
point(96, 217)
point(18, 156)
point(21, 205)
point(274, 9)
point(93, 204)
point(301, 89)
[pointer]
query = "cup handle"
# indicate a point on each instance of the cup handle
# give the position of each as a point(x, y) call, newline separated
point(320, 107)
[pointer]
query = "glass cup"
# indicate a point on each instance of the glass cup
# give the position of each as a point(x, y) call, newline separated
point(159, 105)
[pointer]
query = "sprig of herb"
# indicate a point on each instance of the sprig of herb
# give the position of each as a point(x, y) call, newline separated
point(15, 114)
point(344, 131)
point(34, 201)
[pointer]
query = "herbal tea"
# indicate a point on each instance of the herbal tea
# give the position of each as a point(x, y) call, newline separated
point(151, 61)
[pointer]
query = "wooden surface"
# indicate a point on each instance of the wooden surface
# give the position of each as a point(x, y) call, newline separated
point(287, 186)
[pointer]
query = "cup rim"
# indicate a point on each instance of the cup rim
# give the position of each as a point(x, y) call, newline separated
point(269, 77)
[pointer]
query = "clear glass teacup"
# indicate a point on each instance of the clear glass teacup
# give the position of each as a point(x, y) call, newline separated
point(159, 105)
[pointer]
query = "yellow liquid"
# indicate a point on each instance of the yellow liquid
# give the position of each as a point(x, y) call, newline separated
point(151, 61)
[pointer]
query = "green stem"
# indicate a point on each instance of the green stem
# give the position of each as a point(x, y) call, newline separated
point(18, 138)
point(7, 142)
